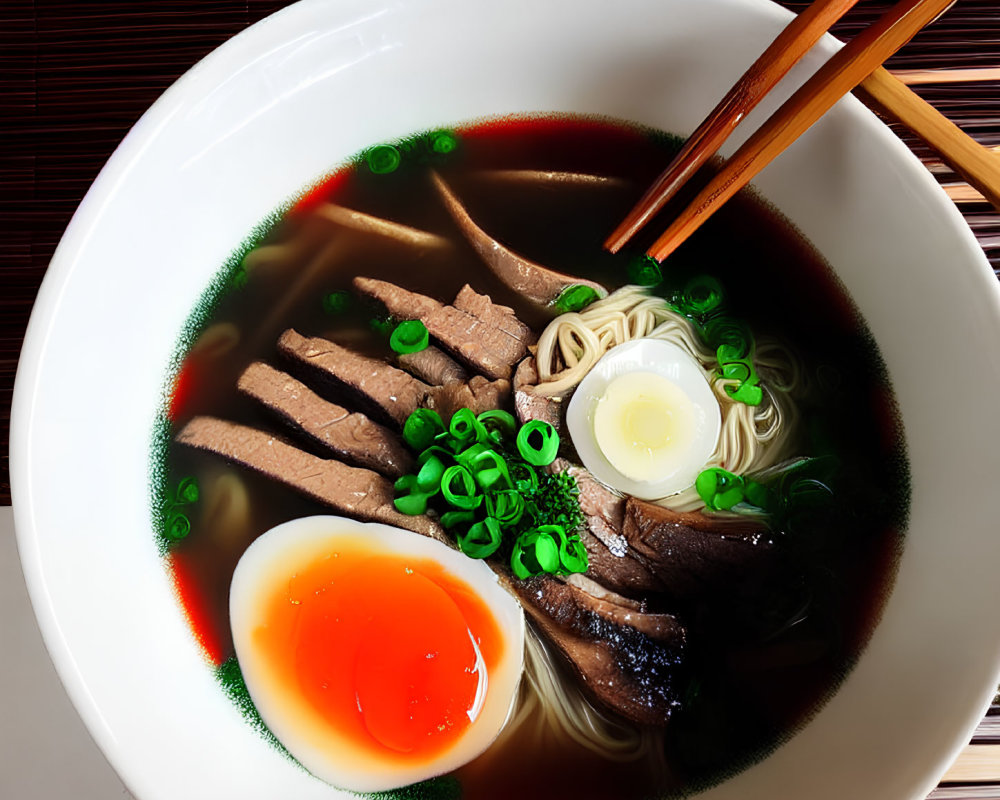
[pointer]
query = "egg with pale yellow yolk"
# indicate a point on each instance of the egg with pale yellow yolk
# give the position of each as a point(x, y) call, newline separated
point(645, 420)
point(378, 657)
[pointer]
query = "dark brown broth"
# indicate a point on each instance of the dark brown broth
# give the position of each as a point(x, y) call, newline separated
point(750, 682)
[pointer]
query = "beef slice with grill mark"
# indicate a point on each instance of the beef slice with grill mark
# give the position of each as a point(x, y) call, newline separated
point(433, 366)
point(627, 659)
point(694, 555)
point(482, 345)
point(350, 436)
point(356, 492)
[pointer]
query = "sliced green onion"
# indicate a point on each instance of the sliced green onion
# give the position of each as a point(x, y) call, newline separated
point(702, 295)
point(748, 393)
point(467, 457)
point(414, 502)
point(575, 298)
point(452, 518)
point(572, 554)
point(459, 488)
point(383, 159)
point(481, 540)
point(429, 477)
point(499, 424)
point(336, 302)
point(538, 443)
point(720, 489)
point(442, 142)
point(179, 526)
point(466, 428)
point(522, 476)
point(187, 491)
point(757, 494)
point(490, 468)
point(644, 271)
point(506, 505)
point(536, 551)
point(409, 337)
point(421, 427)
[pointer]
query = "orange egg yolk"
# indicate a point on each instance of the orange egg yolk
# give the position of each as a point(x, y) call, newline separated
point(391, 651)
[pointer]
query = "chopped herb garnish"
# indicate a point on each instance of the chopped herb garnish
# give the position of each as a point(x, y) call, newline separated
point(481, 474)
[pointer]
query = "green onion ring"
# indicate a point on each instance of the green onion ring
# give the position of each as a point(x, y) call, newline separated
point(409, 337)
point(421, 427)
point(459, 478)
point(544, 452)
point(481, 540)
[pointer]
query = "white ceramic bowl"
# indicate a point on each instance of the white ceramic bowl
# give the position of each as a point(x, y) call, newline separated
point(288, 99)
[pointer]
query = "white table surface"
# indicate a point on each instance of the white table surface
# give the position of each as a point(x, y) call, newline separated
point(45, 750)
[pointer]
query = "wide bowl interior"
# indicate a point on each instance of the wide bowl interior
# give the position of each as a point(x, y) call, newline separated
point(283, 103)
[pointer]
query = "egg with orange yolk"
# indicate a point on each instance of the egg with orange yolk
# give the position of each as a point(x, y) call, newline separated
point(645, 420)
point(377, 657)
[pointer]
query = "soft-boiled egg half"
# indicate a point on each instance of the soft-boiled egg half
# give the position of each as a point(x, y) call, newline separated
point(376, 656)
point(644, 420)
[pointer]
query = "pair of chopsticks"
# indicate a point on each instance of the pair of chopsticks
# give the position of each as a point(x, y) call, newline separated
point(858, 62)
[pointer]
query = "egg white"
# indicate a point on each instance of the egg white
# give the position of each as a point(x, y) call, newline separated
point(696, 404)
point(272, 559)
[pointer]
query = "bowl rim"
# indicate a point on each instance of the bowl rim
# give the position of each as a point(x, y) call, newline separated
point(36, 342)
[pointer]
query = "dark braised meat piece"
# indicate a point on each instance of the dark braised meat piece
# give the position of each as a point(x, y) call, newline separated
point(487, 337)
point(350, 436)
point(627, 659)
point(357, 492)
point(694, 555)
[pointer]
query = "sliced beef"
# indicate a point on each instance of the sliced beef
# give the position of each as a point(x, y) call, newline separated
point(350, 436)
point(356, 492)
point(433, 366)
point(627, 659)
point(479, 394)
point(496, 316)
point(694, 555)
point(528, 405)
point(381, 385)
point(483, 346)
point(533, 281)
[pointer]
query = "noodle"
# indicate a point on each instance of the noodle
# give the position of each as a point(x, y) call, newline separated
point(751, 438)
point(552, 705)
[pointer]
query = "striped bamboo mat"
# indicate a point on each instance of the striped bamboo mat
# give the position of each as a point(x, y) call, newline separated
point(75, 76)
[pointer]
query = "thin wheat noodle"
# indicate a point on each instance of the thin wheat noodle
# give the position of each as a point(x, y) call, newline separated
point(551, 705)
point(750, 439)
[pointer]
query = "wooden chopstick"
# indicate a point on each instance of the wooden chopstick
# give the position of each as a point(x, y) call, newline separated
point(845, 70)
point(781, 55)
point(979, 166)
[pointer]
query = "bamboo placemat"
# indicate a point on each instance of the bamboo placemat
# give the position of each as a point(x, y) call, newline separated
point(75, 76)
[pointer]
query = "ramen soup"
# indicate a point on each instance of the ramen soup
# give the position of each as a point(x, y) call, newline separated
point(460, 504)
